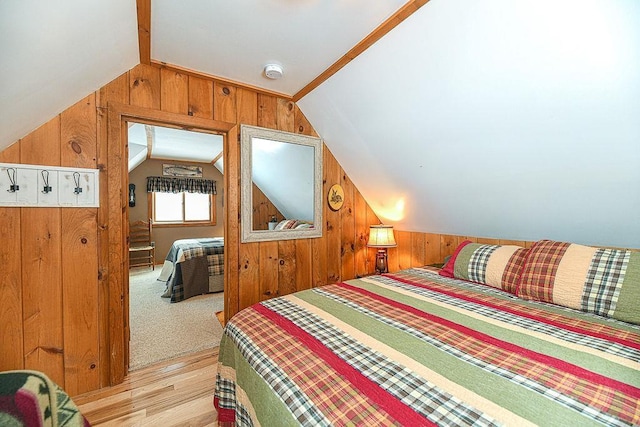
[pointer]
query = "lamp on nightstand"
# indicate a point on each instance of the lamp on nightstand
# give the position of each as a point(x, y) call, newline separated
point(381, 237)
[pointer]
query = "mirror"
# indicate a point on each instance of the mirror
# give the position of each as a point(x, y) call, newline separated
point(281, 185)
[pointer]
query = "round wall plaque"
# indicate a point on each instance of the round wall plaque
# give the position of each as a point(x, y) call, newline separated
point(335, 197)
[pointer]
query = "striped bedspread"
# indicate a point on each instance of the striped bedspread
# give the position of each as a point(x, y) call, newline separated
point(413, 348)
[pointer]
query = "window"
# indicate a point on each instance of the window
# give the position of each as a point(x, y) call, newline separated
point(183, 208)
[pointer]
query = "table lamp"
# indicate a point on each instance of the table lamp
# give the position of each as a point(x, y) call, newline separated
point(381, 237)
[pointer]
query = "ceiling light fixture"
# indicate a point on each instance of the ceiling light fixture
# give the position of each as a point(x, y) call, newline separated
point(273, 71)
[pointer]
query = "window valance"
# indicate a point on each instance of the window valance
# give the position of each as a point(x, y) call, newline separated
point(161, 184)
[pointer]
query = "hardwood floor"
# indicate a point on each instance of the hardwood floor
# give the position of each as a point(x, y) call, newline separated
point(178, 392)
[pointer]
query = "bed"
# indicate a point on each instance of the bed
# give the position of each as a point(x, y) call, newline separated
point(193, 267)
point(425, 346)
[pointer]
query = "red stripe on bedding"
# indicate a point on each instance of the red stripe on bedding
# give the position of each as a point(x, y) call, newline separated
point(538, 357)
point(224, 414)
point(522, 313)
point(394, 407)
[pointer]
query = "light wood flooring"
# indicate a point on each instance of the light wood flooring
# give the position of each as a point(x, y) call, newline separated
point(178, 392)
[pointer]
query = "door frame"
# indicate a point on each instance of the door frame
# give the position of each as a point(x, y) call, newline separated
point(116, 244)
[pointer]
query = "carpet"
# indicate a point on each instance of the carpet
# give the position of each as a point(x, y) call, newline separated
point(161, 330)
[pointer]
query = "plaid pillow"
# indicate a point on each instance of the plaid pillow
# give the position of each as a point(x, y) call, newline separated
point(595, 280)
point(498, 266)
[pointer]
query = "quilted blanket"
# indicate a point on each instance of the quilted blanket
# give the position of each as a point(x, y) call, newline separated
point(413, 348)
point(193, 267)
point(30, 398)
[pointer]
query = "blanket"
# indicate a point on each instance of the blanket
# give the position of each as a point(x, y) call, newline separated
point(414, 348)
point(30, 398)
point(193, 267)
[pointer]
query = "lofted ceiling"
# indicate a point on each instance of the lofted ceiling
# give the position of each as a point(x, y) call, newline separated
point(236, 39)
point(163, 143)
point(495, 118)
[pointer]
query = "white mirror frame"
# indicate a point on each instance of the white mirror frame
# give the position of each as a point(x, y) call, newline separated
point(247, 133)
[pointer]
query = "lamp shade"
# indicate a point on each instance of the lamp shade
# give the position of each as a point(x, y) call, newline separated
point(381, 236)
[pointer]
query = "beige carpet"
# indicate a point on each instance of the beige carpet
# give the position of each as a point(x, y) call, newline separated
point(161, 330)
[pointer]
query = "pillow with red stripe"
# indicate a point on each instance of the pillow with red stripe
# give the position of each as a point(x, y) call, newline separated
point(595, 280)
point(498, 266)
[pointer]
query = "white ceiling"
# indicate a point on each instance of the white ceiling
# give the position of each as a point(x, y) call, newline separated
point(496, 118)
point(54, 53)
point(236, 39)
point(171, 144)
point(484, 117)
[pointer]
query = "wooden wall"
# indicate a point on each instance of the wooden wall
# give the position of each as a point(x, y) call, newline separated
point(64, 276)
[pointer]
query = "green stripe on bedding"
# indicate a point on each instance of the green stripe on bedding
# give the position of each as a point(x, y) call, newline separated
point(600, 364)
point(628, 305)
point(461, 267)
point(270, 410)
point(532, 406)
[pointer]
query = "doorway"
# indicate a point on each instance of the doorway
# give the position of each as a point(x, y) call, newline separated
point(175, 182)
point(116, 244)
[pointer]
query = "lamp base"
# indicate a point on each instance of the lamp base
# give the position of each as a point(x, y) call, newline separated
point(381, 261)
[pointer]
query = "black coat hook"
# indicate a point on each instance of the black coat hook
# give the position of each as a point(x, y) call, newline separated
point(45, 180)
point(12, 179)
point(76, 180)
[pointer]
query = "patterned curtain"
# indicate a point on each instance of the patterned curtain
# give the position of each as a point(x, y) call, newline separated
point(161, 184)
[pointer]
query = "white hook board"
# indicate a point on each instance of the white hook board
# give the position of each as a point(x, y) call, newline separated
point(48, 186)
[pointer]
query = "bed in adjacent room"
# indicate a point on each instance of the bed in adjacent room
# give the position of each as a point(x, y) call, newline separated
point(491, 345)
point(193, 267)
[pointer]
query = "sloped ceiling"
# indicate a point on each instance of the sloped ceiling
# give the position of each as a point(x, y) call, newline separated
point(171, 144)
point(496, 118)
point(54, 53)
point(236, 39)
point(489, 117)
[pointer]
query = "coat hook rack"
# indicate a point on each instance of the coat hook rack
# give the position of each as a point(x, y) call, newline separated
point(48, 186)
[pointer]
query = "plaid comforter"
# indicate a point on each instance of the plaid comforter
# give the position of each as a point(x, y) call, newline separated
point(414, 348)
point(189, 264)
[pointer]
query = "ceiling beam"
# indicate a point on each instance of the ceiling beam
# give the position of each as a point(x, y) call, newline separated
point(151, 134)
point(144, 30)
point(216, 158)
point(403, 13)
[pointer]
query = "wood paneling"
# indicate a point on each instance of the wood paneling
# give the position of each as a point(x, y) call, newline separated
point(11, 295)
point(174, 91)
point(267, 110)
point(268, 277)
point(332, 227)
point(200, 97)
point(42, 291)
point(80, 285)
point(41, 264)
point(144, 87)
point(347, 230)
point(224, 102)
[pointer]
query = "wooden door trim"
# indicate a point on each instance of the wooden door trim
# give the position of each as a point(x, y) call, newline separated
point(116, 200)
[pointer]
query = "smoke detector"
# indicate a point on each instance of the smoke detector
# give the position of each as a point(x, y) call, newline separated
point(273, 71)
